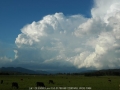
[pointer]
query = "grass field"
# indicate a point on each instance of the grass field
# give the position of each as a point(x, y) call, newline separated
point(67, 82)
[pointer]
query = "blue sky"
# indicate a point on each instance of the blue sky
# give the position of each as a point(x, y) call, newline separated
point(15, 14)
point(59, 34)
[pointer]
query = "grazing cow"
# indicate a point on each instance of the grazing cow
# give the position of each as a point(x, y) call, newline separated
point(21, 79)
point(1, 81)
point(109, 80)
point(40, 84)
point(15, 85)
point(51, 81)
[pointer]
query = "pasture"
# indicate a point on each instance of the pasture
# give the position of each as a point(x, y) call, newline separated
point(68, 82)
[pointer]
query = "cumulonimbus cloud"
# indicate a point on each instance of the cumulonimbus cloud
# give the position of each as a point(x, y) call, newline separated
point(74, 40)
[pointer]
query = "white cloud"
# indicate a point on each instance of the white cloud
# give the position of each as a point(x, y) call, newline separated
point(5, 49)
point(50, 25)
point(105, 9)
point(91, 26)
point(49, 40)
point(59, 40)
point(4, 60)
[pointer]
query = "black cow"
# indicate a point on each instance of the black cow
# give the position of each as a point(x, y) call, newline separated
point(40, 84)
point(109, 80)
point(51, 81)
point(15, 85)
point(1, 81)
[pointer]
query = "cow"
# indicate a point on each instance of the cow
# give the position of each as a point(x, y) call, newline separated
point(109, 80)
point(51, 81)
point(15, 85)
point(40, 84)
point(1, 81)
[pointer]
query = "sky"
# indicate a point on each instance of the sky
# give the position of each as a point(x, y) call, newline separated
point(60, 34)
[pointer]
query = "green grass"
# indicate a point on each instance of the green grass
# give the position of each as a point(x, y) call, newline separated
point(95, 83)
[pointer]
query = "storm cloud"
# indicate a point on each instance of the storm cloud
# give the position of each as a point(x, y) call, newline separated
point(73, 41)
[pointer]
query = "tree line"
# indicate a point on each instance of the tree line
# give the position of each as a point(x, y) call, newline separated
point(112, 72)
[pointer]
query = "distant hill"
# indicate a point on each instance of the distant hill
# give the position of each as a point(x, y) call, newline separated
point(19, 70)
